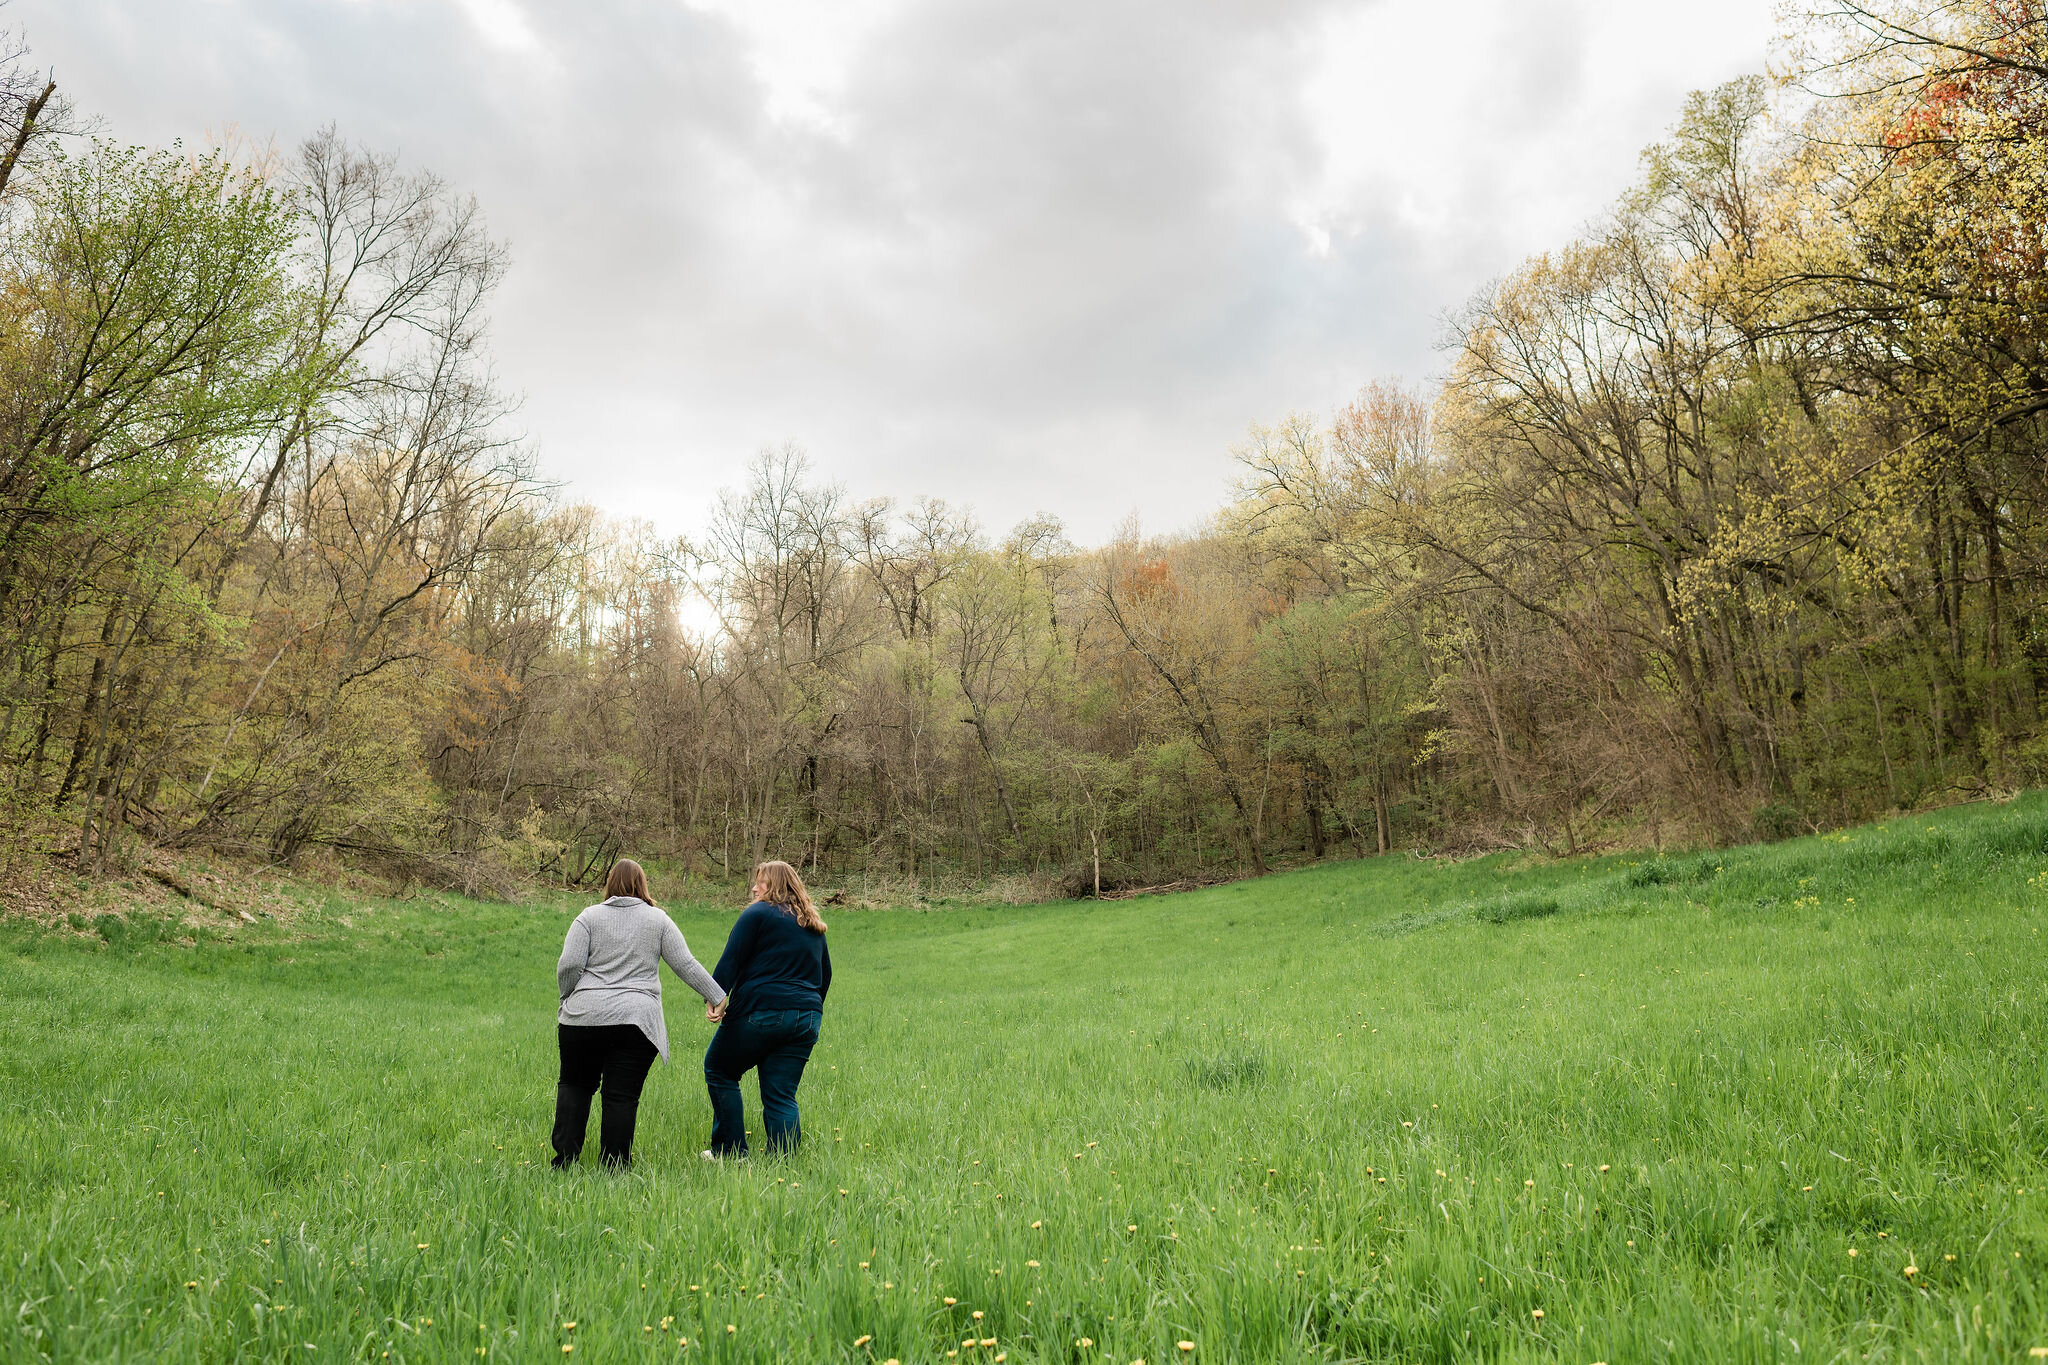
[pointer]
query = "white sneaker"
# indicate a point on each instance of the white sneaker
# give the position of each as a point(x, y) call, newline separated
point(708, 1155)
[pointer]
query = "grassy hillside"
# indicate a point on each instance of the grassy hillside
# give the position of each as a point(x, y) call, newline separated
point(1781, 1103)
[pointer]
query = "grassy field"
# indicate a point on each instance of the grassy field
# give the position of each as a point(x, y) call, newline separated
point(1778, 1103)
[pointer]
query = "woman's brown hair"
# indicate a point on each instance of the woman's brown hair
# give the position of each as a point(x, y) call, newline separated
point(781, 886)
point(626, 879)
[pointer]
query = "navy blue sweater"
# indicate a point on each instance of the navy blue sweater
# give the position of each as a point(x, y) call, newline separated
point(773, 963)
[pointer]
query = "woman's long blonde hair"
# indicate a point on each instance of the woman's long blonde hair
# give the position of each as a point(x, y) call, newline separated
point(781, 886)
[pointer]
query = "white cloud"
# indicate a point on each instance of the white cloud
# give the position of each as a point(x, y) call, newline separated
point(803, 51)
point(501, 23)
point(1024, 256)
point(1501, 134)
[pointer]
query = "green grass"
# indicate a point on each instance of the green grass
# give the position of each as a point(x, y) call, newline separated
point(1377, 1111)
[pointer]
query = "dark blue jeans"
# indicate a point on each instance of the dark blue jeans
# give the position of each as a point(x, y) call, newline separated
point(776, 1043)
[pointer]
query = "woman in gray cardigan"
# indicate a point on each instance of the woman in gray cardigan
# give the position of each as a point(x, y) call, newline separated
point(610, 1026)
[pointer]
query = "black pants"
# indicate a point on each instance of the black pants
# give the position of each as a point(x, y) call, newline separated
point(615, 1056)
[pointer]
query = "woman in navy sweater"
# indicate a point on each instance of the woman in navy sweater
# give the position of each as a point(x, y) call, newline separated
point(776, 971)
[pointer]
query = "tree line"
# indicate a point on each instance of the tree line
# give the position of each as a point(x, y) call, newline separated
point(1725, 521)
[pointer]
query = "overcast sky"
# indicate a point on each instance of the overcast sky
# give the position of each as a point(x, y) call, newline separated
point(1022, 256)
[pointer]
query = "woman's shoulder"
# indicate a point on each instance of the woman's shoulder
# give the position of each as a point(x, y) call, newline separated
point(763, 912)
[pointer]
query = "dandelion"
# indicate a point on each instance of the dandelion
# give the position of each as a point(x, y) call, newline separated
point(1032, 1264)
point(1912, 1270)
point(977, 1315)
point(567, 1347)
point(1529, 1184)
point(1536, 1313)
point(1131, 1227)
point(566, 1327)
point(842, 1191)
point(1084, 1342)
point(730, 1329)
point(862, 1340)
point(988, 1341)
point(949, 1302)
point(863, 1265)
point(194, 1284)
point(1852, 1251)
point(1037, 1222)
point(1605, 1168)
point(418, 1246)
point(1185, 1345)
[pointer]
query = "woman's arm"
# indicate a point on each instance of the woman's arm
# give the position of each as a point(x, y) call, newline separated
point(676, 952)
point(739, 952)
point(826, 950)
point(575, 957)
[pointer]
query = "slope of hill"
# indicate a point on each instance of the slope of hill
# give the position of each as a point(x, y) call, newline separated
point(1775, 1103)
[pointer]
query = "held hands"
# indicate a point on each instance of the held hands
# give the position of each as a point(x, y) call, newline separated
point(716, 1012)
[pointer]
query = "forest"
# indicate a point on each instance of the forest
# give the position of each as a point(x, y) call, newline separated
point(1726, 521)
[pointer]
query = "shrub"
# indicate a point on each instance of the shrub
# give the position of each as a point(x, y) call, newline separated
point(1776, 821)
